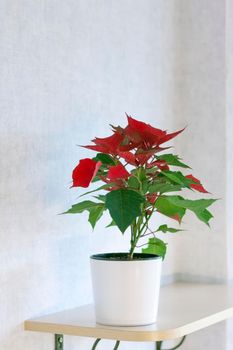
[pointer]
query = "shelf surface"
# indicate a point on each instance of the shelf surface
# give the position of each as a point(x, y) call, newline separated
point(183, 308)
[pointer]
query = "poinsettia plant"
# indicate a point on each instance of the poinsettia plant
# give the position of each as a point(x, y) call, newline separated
point(138, 180)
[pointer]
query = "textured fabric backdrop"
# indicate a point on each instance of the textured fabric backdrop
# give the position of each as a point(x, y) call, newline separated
point(68, 69)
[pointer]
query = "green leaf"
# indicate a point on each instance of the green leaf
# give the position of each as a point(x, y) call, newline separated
point(104, 158)
point(141, 174)
point(95, 179)
point(156, 246)
point(172, 159)
point(133, 182)
point(100, 197)
point(80, 207)
point(95, 214)
point(197, 206)
point(190, 203)
point(165, 228)
point(124, 206)
point(95, 210)
point(162, 187)
point(112, 223)
point(166, 207)
point(204, 215)
point(177, 177)
point(99, 188)
point(145, 186)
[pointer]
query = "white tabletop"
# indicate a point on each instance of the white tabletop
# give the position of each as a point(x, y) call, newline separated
point(183, 308)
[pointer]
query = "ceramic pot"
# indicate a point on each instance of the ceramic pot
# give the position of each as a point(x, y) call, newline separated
point(126, 292)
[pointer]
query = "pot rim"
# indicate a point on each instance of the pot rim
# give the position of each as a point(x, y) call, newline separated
point(122, 256)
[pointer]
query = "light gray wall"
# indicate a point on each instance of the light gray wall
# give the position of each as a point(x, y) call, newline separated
point(200, 102)
point(229, 133)
point(68, 69)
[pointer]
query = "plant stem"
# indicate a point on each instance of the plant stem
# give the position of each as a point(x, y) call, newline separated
point(134, 238)
point(138, 228)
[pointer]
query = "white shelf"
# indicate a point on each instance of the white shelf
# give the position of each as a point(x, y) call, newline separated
point(184, 308)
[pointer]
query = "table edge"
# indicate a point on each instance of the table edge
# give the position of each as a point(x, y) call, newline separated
point(128, 334)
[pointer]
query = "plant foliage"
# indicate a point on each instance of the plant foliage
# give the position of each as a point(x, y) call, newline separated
point(138, 181)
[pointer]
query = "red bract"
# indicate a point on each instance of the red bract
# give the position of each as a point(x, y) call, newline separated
point(161, 164)
point(118, 184)
point(140, 157)
point(151, 197)
point(117, 172)
point(143, 156)
point(143, 138)
point(145, 135)
point(170, 136)
point(109, 145)
point(128, 157)
point(176, 217)
point(84, 172)
point(197, 186)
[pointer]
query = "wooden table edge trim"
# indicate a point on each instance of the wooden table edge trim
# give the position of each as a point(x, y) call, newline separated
point(128, 335)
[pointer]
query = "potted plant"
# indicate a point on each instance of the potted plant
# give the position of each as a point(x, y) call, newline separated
point(138, 180)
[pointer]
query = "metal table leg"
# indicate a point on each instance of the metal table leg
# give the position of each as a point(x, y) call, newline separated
point(59, 341)
point(160, 343)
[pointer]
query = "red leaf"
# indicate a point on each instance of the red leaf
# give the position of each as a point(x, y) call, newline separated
point(143, 128)
point(108, 145)
point(160, 149)
point(96, 148)
point(84, 172)
point(176, 217)
point(111, 143)
point(143, 134)
point(128, 157)
point(151, 197)
point(118, 184)
point(197, 186)
point(143, 156)
point(170, 136)
point(117, 172)
point(142, 138)
point(139, 158)
point(161, 164)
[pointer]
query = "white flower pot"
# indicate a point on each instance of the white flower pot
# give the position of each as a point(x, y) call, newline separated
point(126, 292)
